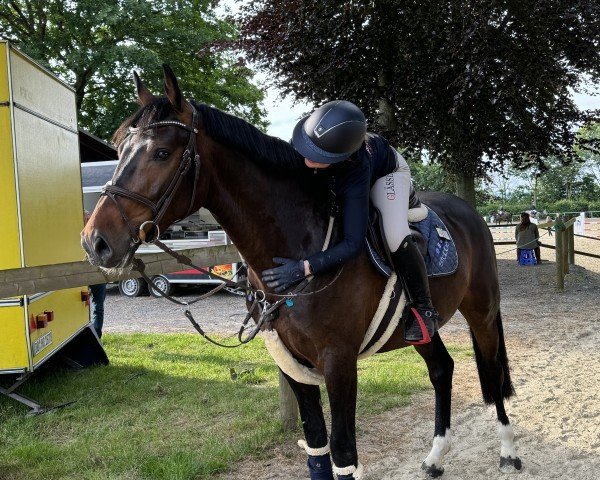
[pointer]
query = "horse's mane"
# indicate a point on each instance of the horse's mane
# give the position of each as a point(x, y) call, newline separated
point(224, 128)
point(241, 135)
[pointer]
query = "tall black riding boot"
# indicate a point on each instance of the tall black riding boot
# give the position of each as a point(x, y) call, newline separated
point(421, 323)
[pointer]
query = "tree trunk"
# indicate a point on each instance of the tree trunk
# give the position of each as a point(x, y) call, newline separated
point(386, 120)
point(465, 187)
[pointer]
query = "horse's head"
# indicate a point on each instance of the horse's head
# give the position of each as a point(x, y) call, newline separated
point(155, 181)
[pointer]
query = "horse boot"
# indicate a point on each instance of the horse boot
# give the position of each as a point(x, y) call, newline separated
point(319, 467)
point(350, 473)
point(422, 320)
point(319, 462)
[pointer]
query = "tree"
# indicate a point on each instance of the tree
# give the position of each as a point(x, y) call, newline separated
point(94, 45)
point(588, 149)
point(476, 83)
point(566, 182)
point(429, 176)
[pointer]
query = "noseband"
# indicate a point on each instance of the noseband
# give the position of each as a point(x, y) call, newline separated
point(159, 207)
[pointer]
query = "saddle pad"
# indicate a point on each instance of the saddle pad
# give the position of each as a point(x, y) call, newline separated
point(441, 258)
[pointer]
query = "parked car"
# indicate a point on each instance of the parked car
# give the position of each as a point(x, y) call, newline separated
point(134, 287)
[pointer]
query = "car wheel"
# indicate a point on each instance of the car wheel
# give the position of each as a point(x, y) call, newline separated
point(161, 283)
point(132, 287)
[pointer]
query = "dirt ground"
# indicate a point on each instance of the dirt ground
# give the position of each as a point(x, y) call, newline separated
point(552, 342)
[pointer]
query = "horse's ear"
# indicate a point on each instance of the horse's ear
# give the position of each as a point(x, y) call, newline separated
point(172, 90)
point(144, 95)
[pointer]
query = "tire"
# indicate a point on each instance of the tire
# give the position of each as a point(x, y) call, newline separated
point(161, 283)
point(133, 287)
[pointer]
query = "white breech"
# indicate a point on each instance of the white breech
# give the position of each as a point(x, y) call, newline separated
point(390, 195)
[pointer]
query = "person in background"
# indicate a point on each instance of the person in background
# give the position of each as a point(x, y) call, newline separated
point(527, 236)
point(549, 220)
point(97, 296)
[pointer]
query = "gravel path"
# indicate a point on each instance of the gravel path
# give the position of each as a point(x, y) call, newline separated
point(221, 313)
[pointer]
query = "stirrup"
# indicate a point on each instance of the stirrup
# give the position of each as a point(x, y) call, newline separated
point(431, 319)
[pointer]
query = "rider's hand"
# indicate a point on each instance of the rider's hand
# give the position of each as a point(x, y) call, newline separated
point(280, 278)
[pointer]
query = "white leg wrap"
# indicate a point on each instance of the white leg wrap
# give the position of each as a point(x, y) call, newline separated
point(441, 446)
point(356, 472)
point(507, 441)
point(315, 452)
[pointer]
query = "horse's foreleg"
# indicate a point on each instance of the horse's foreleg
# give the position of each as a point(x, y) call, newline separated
point(315, 431)
point(341, 381)
point(441, 367)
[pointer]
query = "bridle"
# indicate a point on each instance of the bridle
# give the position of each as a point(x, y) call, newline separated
point(189, 157)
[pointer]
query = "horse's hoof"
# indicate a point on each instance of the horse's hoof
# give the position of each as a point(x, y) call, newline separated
point(510, 465)
point(432, 471)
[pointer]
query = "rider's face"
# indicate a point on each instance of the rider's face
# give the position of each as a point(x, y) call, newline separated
point(311, 164)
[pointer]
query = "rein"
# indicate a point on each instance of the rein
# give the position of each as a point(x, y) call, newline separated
point(257, 298)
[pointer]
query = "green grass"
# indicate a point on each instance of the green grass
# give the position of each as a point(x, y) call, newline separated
point(167, 408)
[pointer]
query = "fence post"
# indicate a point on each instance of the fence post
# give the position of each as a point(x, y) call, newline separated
point(288, 406)
point(571, 236)
point(560, 279)
point(565, 250)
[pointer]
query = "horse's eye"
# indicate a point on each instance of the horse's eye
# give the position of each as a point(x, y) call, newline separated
point(162, 154)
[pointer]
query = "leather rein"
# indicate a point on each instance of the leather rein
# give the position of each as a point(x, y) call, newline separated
point(256, 298)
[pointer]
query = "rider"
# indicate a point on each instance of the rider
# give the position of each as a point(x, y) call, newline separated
point(334, 137)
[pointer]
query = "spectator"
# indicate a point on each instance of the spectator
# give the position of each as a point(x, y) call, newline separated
point(549, 228)
point(97, 296)
point(528, 237)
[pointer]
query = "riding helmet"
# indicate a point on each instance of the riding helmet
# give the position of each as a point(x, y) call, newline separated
point(332, 133)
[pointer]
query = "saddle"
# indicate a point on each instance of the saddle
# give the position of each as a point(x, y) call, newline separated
point(429, 233)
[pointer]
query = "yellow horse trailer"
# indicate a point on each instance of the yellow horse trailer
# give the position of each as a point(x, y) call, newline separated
point(41, 215)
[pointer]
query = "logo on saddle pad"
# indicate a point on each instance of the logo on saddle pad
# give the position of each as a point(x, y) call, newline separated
point(390, 189)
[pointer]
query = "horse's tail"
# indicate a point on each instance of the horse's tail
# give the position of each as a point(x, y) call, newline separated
point(501, 361)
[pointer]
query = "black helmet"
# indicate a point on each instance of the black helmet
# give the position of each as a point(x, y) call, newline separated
point(332, 133)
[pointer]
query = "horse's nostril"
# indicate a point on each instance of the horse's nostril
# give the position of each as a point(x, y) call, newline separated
point(102, 248)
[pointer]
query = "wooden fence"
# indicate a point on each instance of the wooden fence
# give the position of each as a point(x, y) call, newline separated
point(564, 249)
point(30, 280)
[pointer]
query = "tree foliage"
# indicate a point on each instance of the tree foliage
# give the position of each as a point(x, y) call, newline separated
point(94, 45)
point(476, 83)
point(588, 148)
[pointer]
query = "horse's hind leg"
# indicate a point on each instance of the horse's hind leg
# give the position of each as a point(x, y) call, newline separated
point(315, 431)
point(441, 367)
point(494, 374)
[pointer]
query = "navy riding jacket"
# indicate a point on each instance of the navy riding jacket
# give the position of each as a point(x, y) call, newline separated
point(351, 182)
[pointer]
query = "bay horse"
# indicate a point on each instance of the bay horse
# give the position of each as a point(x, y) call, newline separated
point(240, 175)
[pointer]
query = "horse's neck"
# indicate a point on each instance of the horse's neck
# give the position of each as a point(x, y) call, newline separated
point(263, 214)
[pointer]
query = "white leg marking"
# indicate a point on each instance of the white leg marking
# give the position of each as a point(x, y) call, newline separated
point(507, 441)
point(441, 446)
